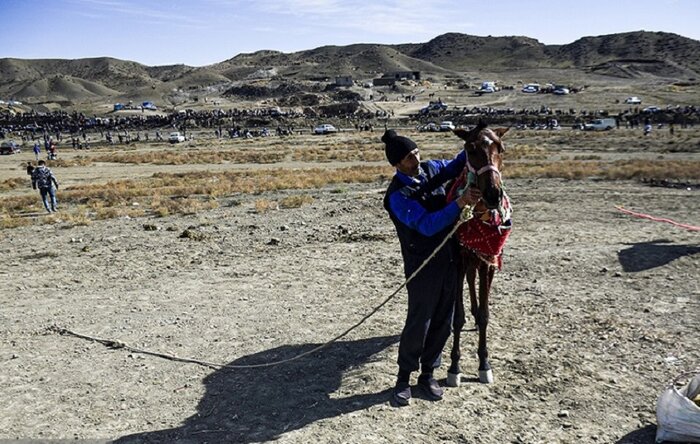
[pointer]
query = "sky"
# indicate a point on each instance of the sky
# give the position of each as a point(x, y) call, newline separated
point(203, 32)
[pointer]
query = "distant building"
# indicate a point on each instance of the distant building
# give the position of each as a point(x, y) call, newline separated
point(384, 81)
point(343, 81)
point(391, 78)
point(405, 75)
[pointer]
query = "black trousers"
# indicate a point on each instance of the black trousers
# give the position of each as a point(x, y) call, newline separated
point(431, 300)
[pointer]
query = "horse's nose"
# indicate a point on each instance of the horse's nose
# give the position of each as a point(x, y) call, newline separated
point(492, 197)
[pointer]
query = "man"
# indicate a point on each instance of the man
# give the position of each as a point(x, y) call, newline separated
point(37, 150)
point(417, 206)
point(43, 178)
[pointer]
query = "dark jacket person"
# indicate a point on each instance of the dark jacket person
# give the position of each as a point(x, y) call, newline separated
point(423, 218)
point(43, 178)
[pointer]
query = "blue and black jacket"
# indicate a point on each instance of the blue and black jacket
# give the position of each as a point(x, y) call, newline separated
point(420, 212)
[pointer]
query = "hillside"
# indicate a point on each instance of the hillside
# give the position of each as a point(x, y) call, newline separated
point(626, 55)
point(462, 52)
point(656, 53)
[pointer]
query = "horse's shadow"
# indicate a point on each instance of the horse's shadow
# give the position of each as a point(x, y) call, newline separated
point(647, 255)
point(259, 405)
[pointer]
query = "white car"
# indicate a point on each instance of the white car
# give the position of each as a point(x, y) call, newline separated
point(560, 90)
point(531, 88)
point(633, 101)
point(446, 126)
point(600, 125)
point(176, 137)
point(430, 127)
point(488, 88)
point(325, 128)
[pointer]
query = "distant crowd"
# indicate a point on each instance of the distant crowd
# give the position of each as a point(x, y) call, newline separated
point(678, 116)
point(58, 125)
point(124, 128)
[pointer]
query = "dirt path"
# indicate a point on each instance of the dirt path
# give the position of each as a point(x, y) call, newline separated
point(594, 312)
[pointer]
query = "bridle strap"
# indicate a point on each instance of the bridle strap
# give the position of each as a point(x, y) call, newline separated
point(482, 169)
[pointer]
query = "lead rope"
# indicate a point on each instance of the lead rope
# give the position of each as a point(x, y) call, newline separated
point(464, 215)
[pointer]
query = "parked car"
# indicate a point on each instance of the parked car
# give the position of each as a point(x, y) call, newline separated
point(325, 128)
point(531, 88)
point(176, 137)
point(600, 125)
point(488, 87)
point(9, 147)
point(446, 126)
point(560, 90)
point(434, 106)
point(429, 127)
point(633, 100)
point(651, 109)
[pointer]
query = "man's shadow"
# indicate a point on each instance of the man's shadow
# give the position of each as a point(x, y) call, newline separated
point(645, 435)
point(260, 404)
point(647, 255)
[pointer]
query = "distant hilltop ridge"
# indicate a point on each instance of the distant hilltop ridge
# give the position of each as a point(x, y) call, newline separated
point(628, 54)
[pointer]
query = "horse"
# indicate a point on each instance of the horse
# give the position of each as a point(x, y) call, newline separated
point(481, 238)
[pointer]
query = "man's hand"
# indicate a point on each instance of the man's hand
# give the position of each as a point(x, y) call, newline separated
point(469, 197)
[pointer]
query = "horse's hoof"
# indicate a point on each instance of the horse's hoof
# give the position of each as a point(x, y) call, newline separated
point(486, 376)
point(454, 379)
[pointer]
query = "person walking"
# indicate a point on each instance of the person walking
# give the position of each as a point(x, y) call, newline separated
point(43, 178)
point(37, 150)
point(417, 205)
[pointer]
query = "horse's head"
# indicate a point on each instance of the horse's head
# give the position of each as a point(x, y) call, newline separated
point(484, 160)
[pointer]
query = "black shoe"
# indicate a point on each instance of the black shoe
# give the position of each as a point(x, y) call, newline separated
point(431, 388)
point(401, 395)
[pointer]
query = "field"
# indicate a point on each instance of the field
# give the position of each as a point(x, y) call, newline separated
point(250, 251)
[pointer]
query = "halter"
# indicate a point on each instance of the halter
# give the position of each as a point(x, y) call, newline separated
point(488, 167)
point(483, 169)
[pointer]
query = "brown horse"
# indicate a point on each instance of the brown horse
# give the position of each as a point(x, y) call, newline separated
point(481, 237)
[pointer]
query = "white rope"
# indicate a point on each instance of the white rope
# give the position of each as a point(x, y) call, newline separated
point(119, 344)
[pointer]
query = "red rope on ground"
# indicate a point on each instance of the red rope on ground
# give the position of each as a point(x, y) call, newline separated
point(659, 219)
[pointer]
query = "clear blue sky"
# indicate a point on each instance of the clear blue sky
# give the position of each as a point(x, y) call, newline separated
point(201, 32)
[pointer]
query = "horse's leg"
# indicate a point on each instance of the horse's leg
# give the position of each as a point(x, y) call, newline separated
point(486, 273)
point(454, 373)
point(473, 265)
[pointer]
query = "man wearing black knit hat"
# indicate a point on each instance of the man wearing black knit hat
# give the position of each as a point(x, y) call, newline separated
point(418, 208)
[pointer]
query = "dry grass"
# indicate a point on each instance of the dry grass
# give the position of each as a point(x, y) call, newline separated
point(166, 194)
point(70, 162)
point(295, 201)
point(195, 157)
point(339, 154)
point(9, 221)
point(183, 193)
point(618, 170)
point(265, 205)
point(528, 154)
point(14, 183)
point(177, 158)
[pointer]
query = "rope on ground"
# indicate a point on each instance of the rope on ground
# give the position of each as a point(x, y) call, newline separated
point(119, 344)
point(658, 219)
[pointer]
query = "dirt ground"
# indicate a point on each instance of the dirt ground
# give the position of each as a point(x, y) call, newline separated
point(592, 315)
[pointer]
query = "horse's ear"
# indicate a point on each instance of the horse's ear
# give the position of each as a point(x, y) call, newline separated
point(462, 133)
point(500, 131)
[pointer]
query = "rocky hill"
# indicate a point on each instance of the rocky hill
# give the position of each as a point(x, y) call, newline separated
point(633, 54)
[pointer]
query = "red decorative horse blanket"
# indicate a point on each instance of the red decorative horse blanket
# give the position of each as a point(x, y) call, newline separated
point(485, 231)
